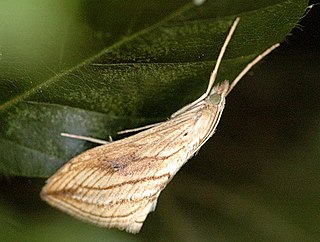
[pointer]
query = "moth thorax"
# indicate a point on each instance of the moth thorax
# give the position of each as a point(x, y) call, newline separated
point(214, 98)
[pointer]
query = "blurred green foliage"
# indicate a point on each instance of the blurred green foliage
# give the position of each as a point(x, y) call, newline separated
point(257, 179)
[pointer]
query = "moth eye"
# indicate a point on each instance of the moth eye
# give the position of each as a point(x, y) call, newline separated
point(185, 134)
point(215, 98)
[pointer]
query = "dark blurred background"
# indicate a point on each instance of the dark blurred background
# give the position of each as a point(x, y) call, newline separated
point(257, 179)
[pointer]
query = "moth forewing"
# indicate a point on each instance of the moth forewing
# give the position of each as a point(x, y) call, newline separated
point(118, 184)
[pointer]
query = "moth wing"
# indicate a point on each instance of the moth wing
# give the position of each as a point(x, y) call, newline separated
point(118, 184)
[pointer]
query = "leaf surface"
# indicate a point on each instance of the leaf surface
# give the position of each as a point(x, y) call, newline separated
point(94, 69)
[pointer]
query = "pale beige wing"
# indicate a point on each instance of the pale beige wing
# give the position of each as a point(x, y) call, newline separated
point(117, 184)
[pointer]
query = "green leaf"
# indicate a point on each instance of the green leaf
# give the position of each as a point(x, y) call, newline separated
point(95, 68)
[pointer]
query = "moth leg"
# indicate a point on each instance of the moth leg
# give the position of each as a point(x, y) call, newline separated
point(139, 129)
point(94, 140)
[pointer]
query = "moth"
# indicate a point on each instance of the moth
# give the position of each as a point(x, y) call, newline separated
point(118, 184)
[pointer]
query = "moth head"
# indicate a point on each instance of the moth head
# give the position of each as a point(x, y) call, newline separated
point(219, 92)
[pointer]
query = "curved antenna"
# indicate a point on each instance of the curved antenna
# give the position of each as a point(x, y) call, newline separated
point(215, 70)
point(250, 65)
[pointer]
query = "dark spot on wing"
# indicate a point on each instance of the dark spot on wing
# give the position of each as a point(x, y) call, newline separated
point(116, 166)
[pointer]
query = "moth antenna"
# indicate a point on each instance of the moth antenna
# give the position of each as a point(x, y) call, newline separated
point(219, 59)
point(250, 65)
point(215, 70)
